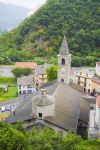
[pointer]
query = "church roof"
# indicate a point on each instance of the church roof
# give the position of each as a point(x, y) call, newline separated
point(44, 100)
point(64, 50)
point(67, 107)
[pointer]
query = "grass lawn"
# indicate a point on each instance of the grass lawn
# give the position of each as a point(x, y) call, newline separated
point(7, 80)
point(10, 94)
point(3, 116)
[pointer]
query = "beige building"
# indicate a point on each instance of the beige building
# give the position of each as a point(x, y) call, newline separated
point(95, 84)
point(83, 79)
point(40, 73)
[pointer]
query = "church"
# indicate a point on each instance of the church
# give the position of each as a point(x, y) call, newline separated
point(59, 106)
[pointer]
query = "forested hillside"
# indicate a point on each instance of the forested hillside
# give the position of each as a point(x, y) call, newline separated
point(42, 33)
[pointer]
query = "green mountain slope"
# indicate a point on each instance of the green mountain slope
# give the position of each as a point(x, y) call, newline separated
point(42, 33)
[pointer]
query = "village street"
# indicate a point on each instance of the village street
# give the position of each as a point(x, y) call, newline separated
point(12, 105)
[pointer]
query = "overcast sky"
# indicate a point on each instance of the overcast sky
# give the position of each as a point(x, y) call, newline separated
point(33, 4)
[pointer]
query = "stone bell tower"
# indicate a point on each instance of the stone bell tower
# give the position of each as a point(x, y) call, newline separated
point(64, 63)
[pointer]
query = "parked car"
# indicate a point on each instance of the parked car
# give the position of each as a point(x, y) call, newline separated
point(8, 108)
point(3, 109)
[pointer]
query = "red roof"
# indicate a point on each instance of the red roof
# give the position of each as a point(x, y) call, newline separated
point(98, 63)
point(98, 100)
point(96, 80)
point(31, 65)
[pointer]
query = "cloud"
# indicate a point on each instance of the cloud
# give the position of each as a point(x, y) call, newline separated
point(32, 4)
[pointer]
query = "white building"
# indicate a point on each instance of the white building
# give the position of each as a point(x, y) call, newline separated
point(94, 123)
point(98, 68)
point(26, 85)
point(97, 118)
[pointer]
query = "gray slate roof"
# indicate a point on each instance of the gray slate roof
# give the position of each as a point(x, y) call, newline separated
point(85, 107)
point(41, 69)
point(64, 47)
point(24, 112)
point(67, 107)
point(21, 114)
point(25, 80)
point(43, 100)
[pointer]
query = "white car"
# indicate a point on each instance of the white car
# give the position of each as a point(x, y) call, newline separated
point(3, 109)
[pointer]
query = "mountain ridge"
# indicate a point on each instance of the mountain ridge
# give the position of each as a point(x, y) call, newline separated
point(11, 15)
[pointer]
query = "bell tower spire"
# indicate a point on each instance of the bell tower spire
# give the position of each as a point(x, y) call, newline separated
point(64, 63)
point(64, 47)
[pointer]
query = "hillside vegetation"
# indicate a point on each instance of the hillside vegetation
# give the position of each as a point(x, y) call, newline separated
point(14, 137)
point(41, 34)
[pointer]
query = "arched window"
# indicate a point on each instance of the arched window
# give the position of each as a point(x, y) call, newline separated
point(63, 61)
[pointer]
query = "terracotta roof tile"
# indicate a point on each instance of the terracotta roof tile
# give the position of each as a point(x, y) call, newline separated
point(98, 100)
point(31, 65)
point(98, 63)
point(96, 80)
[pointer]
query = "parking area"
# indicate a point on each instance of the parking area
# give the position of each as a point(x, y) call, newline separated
point(7, 108)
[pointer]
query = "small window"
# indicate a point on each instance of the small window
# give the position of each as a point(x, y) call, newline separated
point(84, 89)
point(40, 115)
point(19, 86)
point(78, 82)
point(62, 80)
point(84, 84)
point(63, 61)
point(29, 86)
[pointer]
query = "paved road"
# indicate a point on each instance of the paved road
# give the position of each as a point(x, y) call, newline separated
point(18, 99)
point(16, 104)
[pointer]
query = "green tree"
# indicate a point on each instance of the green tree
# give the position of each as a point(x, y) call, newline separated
point(52, 73)
point(19, 72)
point(12, 139)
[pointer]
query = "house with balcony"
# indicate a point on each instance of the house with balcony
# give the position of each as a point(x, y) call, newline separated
point(26, 85)
point(83, 79)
